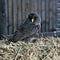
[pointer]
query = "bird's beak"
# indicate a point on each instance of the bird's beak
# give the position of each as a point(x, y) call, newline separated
point(33, 20)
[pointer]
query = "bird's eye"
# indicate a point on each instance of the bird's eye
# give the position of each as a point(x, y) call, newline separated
point(33, 20)
point(35, 17)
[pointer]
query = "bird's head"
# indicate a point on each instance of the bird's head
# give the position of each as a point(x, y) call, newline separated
point(34, 19)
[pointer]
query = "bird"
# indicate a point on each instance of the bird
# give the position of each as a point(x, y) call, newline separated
point(29, 29)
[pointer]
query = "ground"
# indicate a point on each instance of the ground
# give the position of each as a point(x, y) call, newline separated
point(45, 48)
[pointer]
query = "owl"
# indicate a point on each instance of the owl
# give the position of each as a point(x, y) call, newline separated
point(29, 29)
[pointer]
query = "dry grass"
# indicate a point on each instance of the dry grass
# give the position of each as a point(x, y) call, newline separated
point(47, 48)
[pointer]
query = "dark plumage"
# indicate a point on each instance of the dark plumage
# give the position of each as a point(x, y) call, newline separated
point(29, 29)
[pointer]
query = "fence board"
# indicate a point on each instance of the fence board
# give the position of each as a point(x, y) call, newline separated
point(10, 17)
point(43, 14)
point(50, 14)
point(54, 13)
point(7, 15)
point(19, 13)
point(2, 18)
point(15, 15)
point(47, 15)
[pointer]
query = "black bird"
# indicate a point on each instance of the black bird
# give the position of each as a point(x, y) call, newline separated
point(29, 29)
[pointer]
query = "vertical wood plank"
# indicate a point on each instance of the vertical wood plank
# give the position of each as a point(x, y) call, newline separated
point(19, 13)
point(54, 12)
point(38, 8)
point(8, 16)
point(12, 7)
point(33, 6)
point(47, 15)
point(2, 17)
point(21, 10)
point(25, 9)
point(43, 15)
point(50, 10)
point(15, 14)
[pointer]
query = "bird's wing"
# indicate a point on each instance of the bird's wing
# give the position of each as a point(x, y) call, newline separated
point(16, 36)
point(29, 34)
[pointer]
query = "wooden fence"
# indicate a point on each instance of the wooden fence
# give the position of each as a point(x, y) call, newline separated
point(18, 10)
